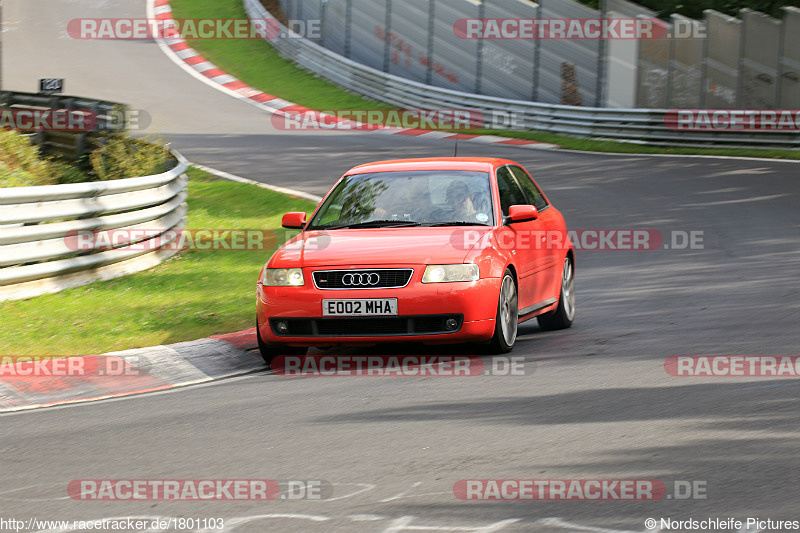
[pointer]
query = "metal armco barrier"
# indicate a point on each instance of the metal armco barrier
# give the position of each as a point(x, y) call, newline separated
point(110, 118)
point(36, 256)
point(646, 126)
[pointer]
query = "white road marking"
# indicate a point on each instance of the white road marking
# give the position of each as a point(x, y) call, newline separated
point(366, 487)
point(417, 484)
point(282, 190)
point(404, 524)
point(365, 517)
point(232, 523)
point(558, 522)
point(60, 487)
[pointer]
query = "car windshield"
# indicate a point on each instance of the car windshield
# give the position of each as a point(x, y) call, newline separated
point(405, 199)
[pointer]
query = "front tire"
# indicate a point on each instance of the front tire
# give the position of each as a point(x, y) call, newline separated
point(271, 351)
point(507, 320)
point(564, 314)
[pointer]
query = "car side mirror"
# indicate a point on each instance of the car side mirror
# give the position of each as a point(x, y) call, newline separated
point(521, 213)
point(294, 220)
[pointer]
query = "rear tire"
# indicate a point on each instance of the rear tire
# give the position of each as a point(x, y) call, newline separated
point(507, 320)
point(271, 351)
point(564, 314)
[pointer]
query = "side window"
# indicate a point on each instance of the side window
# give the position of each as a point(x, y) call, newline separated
point(532, 192)
point(510, 193)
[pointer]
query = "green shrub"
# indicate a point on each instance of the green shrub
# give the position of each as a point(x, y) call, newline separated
point(122, 157)
point(68, 173)
point(20, 162)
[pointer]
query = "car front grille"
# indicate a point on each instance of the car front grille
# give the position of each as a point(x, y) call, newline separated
point(389, 326)
point(383, 278)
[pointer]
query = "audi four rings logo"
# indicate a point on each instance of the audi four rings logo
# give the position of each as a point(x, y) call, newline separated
point(365, 279)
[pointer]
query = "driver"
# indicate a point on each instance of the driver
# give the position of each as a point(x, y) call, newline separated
point(460, 198)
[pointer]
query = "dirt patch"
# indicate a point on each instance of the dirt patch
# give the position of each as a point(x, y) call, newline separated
point(275, 9)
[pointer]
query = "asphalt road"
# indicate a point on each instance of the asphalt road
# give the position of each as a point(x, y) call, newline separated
point(595, 401)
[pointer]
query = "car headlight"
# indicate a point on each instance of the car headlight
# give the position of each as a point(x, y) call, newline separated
point(282, 277)
point(450, 273)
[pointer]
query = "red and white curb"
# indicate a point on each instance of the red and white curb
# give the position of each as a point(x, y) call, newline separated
point(24, 385)
point(179, 51)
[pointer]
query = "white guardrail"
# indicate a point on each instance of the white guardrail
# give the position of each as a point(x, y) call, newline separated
point(646, 126)
point(37, 255)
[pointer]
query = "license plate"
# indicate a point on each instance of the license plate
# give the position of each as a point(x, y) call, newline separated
point(368, 307)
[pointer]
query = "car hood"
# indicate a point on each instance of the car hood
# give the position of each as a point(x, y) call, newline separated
point(380, 246)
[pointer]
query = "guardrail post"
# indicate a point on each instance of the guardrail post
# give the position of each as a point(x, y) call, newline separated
point(40, 139)
point(671, 63)
point(96, 111)
point(704, 63)
point(781, 61)
point(348, 27)
point(387, 42)
point(602, 52)
point(742, 44)
point(323, 8)
point(80, 145)
point(431, 29)
point(479, 61)
point(537, 52)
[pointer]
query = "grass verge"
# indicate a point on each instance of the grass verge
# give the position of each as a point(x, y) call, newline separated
point(259, 65)
point(190, 296)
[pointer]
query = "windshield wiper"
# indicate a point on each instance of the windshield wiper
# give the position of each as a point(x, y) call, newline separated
point(374, 224)
point(455, 223)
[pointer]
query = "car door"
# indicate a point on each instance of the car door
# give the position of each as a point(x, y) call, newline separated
point(553, 244)
point(523, 239)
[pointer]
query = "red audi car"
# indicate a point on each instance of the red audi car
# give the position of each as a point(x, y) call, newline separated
point(443, 250)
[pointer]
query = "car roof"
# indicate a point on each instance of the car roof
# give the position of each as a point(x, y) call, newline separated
point(484, 164)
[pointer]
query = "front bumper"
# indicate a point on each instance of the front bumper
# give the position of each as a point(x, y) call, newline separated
point(420, 307)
